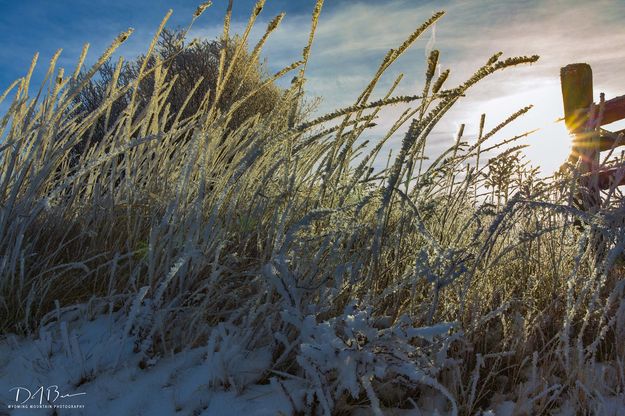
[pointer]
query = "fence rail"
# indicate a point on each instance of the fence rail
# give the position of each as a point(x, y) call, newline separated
point(583, 118)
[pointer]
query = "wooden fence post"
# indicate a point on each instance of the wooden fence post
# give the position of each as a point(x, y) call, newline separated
point(577, 97)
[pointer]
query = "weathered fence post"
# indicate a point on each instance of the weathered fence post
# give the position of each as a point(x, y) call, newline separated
point(577, 97)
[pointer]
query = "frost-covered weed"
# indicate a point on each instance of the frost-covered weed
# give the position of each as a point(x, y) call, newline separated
point(348, 355)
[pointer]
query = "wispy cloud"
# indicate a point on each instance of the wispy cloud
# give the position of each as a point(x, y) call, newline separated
point(352, 40)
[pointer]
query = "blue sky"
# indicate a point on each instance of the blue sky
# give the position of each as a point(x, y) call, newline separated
point(353, 36)
point(43, 25)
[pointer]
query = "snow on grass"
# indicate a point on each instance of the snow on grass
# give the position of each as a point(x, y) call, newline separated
point(180, 384)
point(94, 361)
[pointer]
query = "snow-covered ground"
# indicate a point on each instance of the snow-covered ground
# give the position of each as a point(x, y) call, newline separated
point(92, 363)
point(82, 365)
point(85, 365)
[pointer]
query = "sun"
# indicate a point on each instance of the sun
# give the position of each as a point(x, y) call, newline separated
point(550, 144)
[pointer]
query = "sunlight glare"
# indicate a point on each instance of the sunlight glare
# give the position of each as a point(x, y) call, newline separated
point(550, 146)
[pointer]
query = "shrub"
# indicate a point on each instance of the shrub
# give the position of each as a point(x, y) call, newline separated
point(192, 71)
